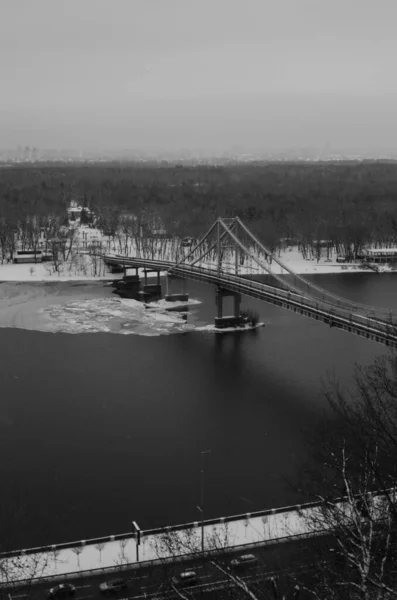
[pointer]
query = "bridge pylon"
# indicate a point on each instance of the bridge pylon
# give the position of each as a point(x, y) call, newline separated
point(231, 257)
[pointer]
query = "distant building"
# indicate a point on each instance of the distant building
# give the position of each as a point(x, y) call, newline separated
point(75, 210)
point(322, 243)
point(380, 255)
point(28, 256)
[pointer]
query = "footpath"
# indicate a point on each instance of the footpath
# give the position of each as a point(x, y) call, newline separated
point(114, 552)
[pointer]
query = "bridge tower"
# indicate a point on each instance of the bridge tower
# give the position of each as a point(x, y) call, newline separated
point(221, 321)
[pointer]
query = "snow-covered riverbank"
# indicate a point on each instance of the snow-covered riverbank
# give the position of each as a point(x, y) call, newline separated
point(292, 258)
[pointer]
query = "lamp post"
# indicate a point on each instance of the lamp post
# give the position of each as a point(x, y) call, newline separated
point(136, 530)
point(201, 507)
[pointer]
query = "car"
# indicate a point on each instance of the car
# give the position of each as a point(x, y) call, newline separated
point(113, 586)
point(244, 559)
point(187, 242)
point(63, 590)
point(185, 578)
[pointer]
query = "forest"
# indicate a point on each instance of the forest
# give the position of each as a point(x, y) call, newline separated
point(352, 204)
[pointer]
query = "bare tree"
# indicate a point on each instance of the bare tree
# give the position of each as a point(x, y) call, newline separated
point(100, 546)
point(122, 558)
point(19, 569)
point(78, 550)
point(357, 464)
point(173, 545)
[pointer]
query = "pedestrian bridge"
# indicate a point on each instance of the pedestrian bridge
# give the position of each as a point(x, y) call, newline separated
point(220, 258)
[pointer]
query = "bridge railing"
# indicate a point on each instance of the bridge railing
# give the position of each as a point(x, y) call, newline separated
point(368, 321)
point(350, 313)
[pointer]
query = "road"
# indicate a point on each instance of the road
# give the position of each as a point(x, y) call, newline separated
point(279, 561)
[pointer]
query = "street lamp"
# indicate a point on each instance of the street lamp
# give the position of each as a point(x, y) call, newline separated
point(201, 507)
point(136, 531)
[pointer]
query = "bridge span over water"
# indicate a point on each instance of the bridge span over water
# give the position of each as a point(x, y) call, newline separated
point(225, 256)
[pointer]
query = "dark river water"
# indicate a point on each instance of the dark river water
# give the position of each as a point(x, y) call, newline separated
point(99, 429)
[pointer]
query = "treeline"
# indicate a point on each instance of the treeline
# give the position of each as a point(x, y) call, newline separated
point(350, 204)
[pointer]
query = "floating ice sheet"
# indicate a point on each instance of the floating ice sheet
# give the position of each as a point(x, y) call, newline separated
point(123, 316)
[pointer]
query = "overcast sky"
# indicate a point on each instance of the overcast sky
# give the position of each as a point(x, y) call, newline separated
point(211, 74)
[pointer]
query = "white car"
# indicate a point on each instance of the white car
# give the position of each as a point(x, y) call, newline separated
point(185, 578)
point(244, 559)
point(113, 586)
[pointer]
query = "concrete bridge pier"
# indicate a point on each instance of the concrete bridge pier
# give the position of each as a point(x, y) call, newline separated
point(182, 296)
point(146, 271)
point(129, 285)
point(230, 321)
point(151, 291)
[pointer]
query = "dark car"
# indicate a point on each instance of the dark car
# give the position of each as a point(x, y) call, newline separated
point(113, 586)
point(63, 590)
point(244, 559)
point(185, 578)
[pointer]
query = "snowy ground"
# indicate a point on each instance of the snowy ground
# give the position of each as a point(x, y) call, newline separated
point(293, 259)
point(83, 267)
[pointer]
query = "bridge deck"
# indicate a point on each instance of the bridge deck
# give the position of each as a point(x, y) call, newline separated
point(335, 315)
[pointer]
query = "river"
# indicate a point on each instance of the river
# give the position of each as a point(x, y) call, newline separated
point(99, 429)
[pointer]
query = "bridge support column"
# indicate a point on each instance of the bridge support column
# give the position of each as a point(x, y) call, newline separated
point(129, 285)
point(151, 291)
point(219, 303)
point(237, 304)
point(179, 296)
point(230, 321)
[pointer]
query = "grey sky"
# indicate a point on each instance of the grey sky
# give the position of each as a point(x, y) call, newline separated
point(198, 73)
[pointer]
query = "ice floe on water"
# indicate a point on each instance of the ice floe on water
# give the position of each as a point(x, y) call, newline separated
point(89, 308)
point(114, 315)
point(126, 316)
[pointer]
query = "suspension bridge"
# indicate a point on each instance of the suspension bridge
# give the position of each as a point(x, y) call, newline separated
point(227, 256)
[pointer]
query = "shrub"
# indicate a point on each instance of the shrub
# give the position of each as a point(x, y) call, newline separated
point(250, 316)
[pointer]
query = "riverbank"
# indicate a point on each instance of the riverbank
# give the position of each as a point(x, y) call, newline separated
point(291, 257)
point(294, 260)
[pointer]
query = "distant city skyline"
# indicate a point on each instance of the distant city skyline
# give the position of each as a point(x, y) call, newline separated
point(27, 154)
point(161, 75)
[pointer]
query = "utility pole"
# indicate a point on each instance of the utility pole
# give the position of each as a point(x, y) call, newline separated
point(201, 507)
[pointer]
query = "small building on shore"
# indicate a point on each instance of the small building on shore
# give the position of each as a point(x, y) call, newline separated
point(28, 256)
point(380, 255)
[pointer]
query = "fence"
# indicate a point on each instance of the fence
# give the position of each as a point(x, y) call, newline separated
point(50, 557)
